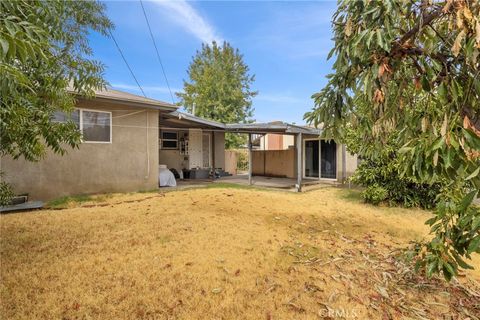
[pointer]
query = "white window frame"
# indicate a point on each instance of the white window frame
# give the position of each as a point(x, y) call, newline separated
point(81, 125)
point(169, 131)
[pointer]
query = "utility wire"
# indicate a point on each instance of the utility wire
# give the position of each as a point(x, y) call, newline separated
point(128, 66)
point(156, 49)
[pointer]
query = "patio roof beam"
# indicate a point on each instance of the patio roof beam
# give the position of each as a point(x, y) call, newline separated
point(250, 159)
point(299, 162)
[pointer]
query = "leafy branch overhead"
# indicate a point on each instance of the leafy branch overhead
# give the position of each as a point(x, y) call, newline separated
point(44, 50)
point(416, 65)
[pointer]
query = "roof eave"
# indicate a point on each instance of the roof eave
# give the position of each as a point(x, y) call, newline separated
point(129, 102)
point(189, 117)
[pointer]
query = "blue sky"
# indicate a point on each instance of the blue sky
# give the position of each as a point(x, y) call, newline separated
point(285, 44)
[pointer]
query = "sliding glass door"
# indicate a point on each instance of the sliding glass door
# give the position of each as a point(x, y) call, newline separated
point(320, 159)
point(312, 156)
point(328, 155)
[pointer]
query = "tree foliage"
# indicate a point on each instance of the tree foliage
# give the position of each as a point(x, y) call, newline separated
point(379, 172)
point(219, 87)
point(416, 64)
point(43, 51)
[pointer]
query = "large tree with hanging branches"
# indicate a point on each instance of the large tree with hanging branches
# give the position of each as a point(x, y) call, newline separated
point(416, 65)
point(44, 50)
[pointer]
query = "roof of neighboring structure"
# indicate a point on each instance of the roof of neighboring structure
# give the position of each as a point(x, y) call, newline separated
point(133, 99)
point(273, 127)
point(191, 117)
point(181, 120)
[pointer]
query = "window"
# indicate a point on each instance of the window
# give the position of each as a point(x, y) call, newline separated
point(169, 140)
point(96, 126)
point(60, 116)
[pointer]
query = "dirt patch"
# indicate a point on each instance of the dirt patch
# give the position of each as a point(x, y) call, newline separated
point(223, 254)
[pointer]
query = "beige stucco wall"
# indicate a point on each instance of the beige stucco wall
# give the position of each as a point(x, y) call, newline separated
point(352, 163)
point(173, 159)
point(219, 152)
point(231, 161)
point(95, 167)
point(275, 163)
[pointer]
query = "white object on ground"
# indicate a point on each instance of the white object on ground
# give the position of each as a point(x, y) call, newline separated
point(166, 178)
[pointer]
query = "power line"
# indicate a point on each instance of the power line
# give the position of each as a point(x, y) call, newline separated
point(156, 50)
point(128, 66)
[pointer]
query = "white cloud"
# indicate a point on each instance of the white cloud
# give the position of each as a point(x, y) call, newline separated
point(303, 31)
point(185, 15)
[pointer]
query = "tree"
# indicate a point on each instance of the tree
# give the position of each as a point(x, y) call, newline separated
point(416, 64)
point(43, 51)
point(219, 88)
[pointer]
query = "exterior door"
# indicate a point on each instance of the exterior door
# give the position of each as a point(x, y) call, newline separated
point(311, 162)
point(195, 148)
point(328, 156)
point(206, 150)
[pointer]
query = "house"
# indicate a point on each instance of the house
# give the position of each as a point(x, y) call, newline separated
point(273, 141)
point(126, 138)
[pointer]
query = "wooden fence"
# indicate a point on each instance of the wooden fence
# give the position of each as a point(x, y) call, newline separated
point(274, 163)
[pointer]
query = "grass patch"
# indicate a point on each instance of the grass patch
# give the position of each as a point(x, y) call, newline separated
point(71, 201)
point(353, 195)
point(63, 202)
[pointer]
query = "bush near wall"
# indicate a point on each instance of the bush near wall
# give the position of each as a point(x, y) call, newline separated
point(6, 191)
point(384, 184)
point(242, 159)
point(379, 173)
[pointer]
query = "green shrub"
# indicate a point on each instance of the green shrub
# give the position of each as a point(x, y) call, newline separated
point(375, 194)
point(384, 183)
point(382, 169)
point(242, 159)
point(6, 193)
point(375, 174)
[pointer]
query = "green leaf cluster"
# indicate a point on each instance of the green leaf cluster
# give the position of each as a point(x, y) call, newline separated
point(6, 192)
point(43, 52)
point(219, 88)
point(412, 68)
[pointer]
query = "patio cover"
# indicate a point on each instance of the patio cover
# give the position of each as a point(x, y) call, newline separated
point(278, 128)
point(275, 127)
point(179, 120)
point(183, 120)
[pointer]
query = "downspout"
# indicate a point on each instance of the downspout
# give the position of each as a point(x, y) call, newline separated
point(147, 152)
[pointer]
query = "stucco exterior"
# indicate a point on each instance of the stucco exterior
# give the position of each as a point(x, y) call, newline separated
point(219, 151)
point(128, 163)
point(272, 141)
point(274, 163)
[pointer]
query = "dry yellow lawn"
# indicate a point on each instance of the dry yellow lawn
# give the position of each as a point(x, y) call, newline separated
point(222, 254)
